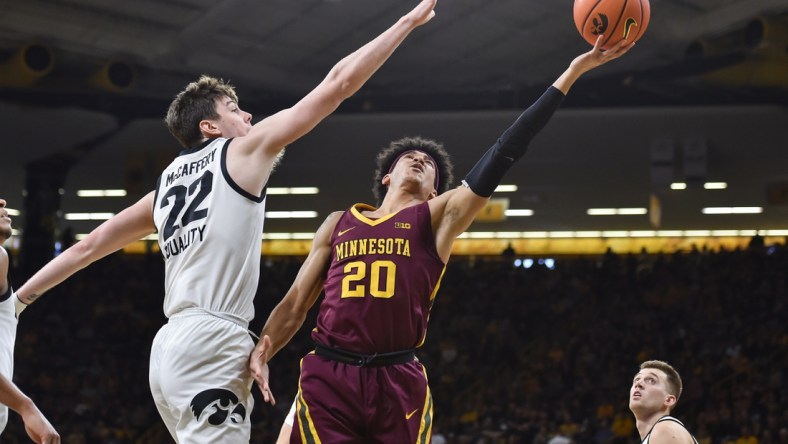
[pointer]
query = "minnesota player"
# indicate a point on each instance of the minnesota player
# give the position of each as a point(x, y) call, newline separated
point(208, 209)
point(380, 268)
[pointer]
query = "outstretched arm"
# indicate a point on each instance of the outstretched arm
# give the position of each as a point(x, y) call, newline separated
point(268, 137)
point(130, 225)
point(36, 425)
point(288, 316)
point(454, 211)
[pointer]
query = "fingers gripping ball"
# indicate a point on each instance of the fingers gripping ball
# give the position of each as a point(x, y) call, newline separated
point(615, 19)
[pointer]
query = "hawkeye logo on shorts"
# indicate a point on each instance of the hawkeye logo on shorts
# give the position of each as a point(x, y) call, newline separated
point(218, 404)
point(403, 225)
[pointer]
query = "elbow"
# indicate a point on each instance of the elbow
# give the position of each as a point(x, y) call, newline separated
point(83, 251)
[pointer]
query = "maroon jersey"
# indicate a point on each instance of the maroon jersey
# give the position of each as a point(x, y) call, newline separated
point(383, 277)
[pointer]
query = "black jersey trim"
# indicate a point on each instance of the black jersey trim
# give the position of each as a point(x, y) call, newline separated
point(197, 148)
point(232, 183)
point(8, 292)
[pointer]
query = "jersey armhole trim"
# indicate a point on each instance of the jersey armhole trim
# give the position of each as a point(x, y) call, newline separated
point(232, 183)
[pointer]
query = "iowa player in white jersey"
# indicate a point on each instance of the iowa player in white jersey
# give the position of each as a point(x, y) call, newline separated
point(208, 211)
point(37, 426)
point(655, 391)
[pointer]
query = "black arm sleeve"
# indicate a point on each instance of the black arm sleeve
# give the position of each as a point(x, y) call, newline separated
point(485, 176)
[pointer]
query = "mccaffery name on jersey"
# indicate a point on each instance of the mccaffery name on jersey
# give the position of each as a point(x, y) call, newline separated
point(191, 167)
point(187, 237)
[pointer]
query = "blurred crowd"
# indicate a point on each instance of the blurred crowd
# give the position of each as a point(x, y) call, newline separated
point(537, 355)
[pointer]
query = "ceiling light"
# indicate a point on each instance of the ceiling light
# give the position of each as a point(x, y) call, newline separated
point(523, 212)
point(732, 210)
point(589, 234)
point(615, 211)
point(678, 186)
point(101, 193)
point(88, 216)
point(601, 211)
point(293, 190)
point(630, 211)
point(506, 188)
point(291, 214)
point(715, 185)
point(12, 212)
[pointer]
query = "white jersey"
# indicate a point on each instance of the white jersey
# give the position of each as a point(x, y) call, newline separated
point(667, 418)
point(210, 232)
point(7, 339)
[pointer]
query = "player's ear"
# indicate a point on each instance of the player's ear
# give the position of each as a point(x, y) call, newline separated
point(670, 400)
point(386, 180)
point(209, 129)
point(433, 194)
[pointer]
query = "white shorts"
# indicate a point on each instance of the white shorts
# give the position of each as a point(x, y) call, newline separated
point(200, 380)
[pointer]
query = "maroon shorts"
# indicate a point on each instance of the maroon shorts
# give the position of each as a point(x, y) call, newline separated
point(343, 403)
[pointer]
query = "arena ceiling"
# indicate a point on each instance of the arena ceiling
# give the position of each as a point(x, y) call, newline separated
point(709, 77)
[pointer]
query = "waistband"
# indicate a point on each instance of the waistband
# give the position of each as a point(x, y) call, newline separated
point(359, 360)
point(197, 311)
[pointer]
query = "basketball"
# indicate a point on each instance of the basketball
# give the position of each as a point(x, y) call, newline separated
point(615, 19)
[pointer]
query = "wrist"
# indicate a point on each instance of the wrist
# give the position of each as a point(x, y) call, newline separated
point(19, 306)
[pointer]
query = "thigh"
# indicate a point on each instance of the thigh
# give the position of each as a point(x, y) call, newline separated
point(400, 404)
point(199, 376)
point(329, 404)
point(340, 403)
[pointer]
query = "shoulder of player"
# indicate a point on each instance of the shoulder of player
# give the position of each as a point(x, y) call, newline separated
point(669, 432)
point(257, 142)
point(328, 225)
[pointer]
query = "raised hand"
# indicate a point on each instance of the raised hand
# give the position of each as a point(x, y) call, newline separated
point(597, 56)
point(423, 12)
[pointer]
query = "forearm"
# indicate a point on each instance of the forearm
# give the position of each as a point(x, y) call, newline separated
point(129, 225)
point(350, 73)
point(485, 176)
point(11, 396)
point(568, 78)
point(281, 326)
point(53, 273)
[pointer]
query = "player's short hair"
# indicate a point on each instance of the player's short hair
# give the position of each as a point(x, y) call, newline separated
point(391, 153)
point(195, 103)
point(673, 382)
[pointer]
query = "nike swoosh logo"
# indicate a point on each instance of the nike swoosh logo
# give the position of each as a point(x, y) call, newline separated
point(345, 231)
point(410, 414)
point(628, 26)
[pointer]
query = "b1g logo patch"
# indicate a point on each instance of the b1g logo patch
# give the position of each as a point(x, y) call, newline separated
point(219, 405)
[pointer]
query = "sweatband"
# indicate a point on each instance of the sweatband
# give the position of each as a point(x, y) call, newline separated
point(437, 175)
point(19, 306)
point(488, 172)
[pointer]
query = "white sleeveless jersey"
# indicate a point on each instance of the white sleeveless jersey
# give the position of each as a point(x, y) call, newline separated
point(210, 232)
point(7, 340)
point(667, 418)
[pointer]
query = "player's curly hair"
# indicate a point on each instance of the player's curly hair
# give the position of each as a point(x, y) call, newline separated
point(195, 103)
point(389, 154)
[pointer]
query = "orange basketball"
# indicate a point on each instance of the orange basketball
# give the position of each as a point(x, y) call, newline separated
point(615, 19)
